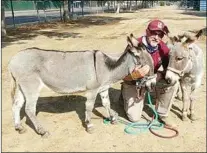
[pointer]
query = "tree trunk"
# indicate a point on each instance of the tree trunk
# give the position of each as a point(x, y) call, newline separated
point(3, 25)
point(61, 11)
point(12, 12)
point(45, 15)
point(82, 4)
point(130, 5)
point(127, 5)
point(136, 4)
point(118, 7)
point(38, 14)
point(65, 11)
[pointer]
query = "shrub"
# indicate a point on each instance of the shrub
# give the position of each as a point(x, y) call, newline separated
point(162, 3)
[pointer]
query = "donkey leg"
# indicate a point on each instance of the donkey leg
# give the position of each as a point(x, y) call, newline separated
point(185, 99)
point(106, 103)
point(18, 101)
point(179, 93)
point(30, 109)
point(192, 101)
point(89, 105)
point(31, 91)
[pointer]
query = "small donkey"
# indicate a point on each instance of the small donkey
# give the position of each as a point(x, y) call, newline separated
point(68, 72)
point(186, 62)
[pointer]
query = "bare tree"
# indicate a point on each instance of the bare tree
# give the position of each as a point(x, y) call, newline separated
point(136, 5)
point(82, 4)
point(65, 11)
point(130, 5)
point(118, 7)
point(36, 6)
point(44, 9)
point(119, 3)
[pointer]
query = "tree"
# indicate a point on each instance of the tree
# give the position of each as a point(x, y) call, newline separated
point(58, 4)
point(82, 4)
point(119, 3)
point(130, 5)
point(42, 5)
point(36, 6)
point(136, 4)
point(118, 7)
point(3, 25)
point(12, 8)
point(65, 11)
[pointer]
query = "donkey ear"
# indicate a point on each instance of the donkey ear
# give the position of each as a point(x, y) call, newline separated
point(129, 41)
point(176, 39)
point(134, 40)
point(200, 32)
point(180, 37)
point(189, 41)
point(131, 35)
point(172, 39)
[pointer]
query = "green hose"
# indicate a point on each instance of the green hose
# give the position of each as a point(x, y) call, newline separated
point(139, 127)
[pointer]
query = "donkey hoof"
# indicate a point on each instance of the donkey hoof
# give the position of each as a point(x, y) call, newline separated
point(193, 117)
point(20, 129)
point(45, 135)
point(114, 121)
point(41, 130)
point(90, 130)
point(184, 118)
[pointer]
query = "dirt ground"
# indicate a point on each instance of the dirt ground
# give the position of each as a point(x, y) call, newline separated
point(63, 115)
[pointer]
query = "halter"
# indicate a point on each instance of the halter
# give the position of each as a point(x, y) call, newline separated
point(179, 72)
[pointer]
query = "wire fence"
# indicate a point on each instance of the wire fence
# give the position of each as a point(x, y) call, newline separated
point(36, 11)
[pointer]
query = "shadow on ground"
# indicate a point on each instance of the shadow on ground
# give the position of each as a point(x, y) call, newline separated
point(28, 32)
point(63, 104)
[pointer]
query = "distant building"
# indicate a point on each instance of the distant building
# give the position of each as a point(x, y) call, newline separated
point(199, 5)
point(202, 5)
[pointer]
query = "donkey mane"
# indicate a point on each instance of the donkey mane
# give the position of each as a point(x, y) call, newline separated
point(51, 50)
point(112, 63)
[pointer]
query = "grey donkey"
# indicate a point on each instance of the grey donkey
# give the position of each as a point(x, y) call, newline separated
point(69, 72)
point(186, 66)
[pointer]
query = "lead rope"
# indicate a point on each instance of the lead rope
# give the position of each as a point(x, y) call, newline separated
point(139, 127)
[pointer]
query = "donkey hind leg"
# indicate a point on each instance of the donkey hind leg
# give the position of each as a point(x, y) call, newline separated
point(31, 92)
point(106, 103)
point(18, 101)
point(89, 105)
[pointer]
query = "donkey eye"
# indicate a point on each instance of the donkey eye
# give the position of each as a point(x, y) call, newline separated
point(179, 58)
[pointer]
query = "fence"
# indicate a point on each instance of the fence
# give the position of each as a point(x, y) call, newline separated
point(20, 12)
point(199, 5)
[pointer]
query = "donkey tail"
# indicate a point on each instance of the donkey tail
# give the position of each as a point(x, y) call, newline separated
point(13, 85)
